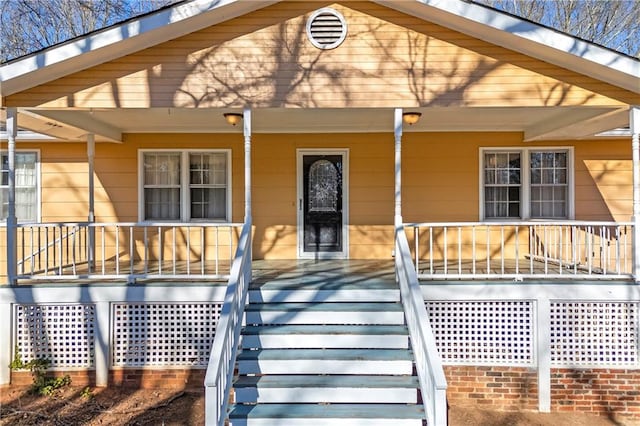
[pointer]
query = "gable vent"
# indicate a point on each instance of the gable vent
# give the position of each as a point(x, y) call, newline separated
point(326, 28)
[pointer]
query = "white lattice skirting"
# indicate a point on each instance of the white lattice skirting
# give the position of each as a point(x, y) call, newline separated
point(583, 334)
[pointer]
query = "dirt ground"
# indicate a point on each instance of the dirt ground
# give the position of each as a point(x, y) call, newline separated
point(121, 406)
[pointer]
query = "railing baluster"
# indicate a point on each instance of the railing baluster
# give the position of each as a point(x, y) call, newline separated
point(117, 250)
point(589, 246)
point(431, 249)
point(545, 250)
point(416, 241)
point(131, 251)
point(517, 255)
point(502, 250)
point(103, 254)
point(60, 272)
point(488, 253)
point(473, 250)
point(146, 250)
point(160, 250)
point(560, 251)
point(532, 247)
point(618, 270)
point(202, 251)
point(446, 249)
point(188, 250)
point(173, 251)
point(459, 250)
point(218, 248)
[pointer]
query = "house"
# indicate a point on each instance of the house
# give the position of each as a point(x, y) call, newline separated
point(494, 162)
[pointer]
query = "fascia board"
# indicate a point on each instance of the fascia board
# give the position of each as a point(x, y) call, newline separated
point(528, 38)
point(114, 42)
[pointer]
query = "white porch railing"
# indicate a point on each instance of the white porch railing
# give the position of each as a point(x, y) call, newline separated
point(219, 378)
point(433, 383)
point(54, 251)
point(516, 250)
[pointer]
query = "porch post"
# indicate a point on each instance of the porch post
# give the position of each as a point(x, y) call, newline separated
point(634, 122)
point(247, 164)
point(91, 150)
point(397, 130)
point(12, 234)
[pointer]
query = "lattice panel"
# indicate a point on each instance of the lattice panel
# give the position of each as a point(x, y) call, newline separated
point(63, 334)
point(594, 334)
point(171, 334)
point(487, 333)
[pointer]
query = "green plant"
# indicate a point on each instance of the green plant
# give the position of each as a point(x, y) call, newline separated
point(16, 362)
point(87, 393)
point(42, 385)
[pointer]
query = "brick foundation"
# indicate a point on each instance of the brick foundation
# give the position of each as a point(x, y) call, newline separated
point(138, 378)
point(498, 388)
point(610, 392)
point(602, 391)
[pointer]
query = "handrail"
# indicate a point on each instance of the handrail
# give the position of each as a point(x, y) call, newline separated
point(433, 383)
point(574, 249)
point(219, 378)
point(76, 228)
point(126, 250)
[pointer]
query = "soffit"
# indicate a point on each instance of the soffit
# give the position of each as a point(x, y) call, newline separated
point(538, 123)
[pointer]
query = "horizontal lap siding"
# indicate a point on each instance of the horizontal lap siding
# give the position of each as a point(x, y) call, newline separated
point(370, 192)
point(264, 58)
point(441, 175)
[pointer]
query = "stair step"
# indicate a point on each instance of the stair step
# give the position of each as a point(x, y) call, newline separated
point(325, 336)
point(263, 295)
point(335, 389)
point(326, 415)
point(325, 313)
point(325, 361)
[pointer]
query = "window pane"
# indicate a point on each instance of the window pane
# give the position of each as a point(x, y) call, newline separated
point(208, 203)
point(208, 185)
point(26, 181)
point(502, 184)
point(549, 185)
point(162, 169)
point(162, 203)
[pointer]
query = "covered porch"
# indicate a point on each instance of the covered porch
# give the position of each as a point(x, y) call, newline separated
point(95, 250)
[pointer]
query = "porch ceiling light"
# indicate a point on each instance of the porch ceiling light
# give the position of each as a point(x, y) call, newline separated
point(232, 118)
point(411, 118)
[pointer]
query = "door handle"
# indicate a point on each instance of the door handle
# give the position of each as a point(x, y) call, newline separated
point(300, 207)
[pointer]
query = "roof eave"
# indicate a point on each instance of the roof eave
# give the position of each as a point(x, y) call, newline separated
point(528, 38)
point(114, 42)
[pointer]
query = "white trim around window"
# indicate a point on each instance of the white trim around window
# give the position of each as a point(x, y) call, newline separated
point(38, 186)
point(184, 186)
point(524, 182)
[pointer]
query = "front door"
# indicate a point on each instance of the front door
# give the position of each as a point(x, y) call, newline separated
point(322, 213)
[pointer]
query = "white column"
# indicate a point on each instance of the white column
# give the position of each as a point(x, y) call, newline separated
point(634, 122)
point(102, 343)
point(543, 326)
point(91, 152)
point(6, 349)
point(397, 130)
point(247, 163)
point(12, 249)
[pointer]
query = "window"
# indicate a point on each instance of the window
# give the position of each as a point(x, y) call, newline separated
point(26, 165)
point(526, 183)
point(191, 185)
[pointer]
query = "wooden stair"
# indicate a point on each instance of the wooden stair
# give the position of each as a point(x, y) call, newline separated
point(325, 352)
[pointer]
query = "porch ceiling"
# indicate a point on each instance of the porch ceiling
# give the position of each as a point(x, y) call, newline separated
point(536, 123)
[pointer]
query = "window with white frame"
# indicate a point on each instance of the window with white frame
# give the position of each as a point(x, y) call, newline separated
point(26, 182)
point(526, 183)
point(185, 185)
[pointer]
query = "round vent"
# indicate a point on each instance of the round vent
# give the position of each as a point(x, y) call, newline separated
point(326, 28)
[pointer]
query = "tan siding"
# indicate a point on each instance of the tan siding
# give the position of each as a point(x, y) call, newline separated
point(388, 60)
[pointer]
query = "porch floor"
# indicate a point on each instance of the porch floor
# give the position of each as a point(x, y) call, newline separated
point(323, 274)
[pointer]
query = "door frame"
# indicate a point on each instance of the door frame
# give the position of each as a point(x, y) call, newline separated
point(300, 153)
